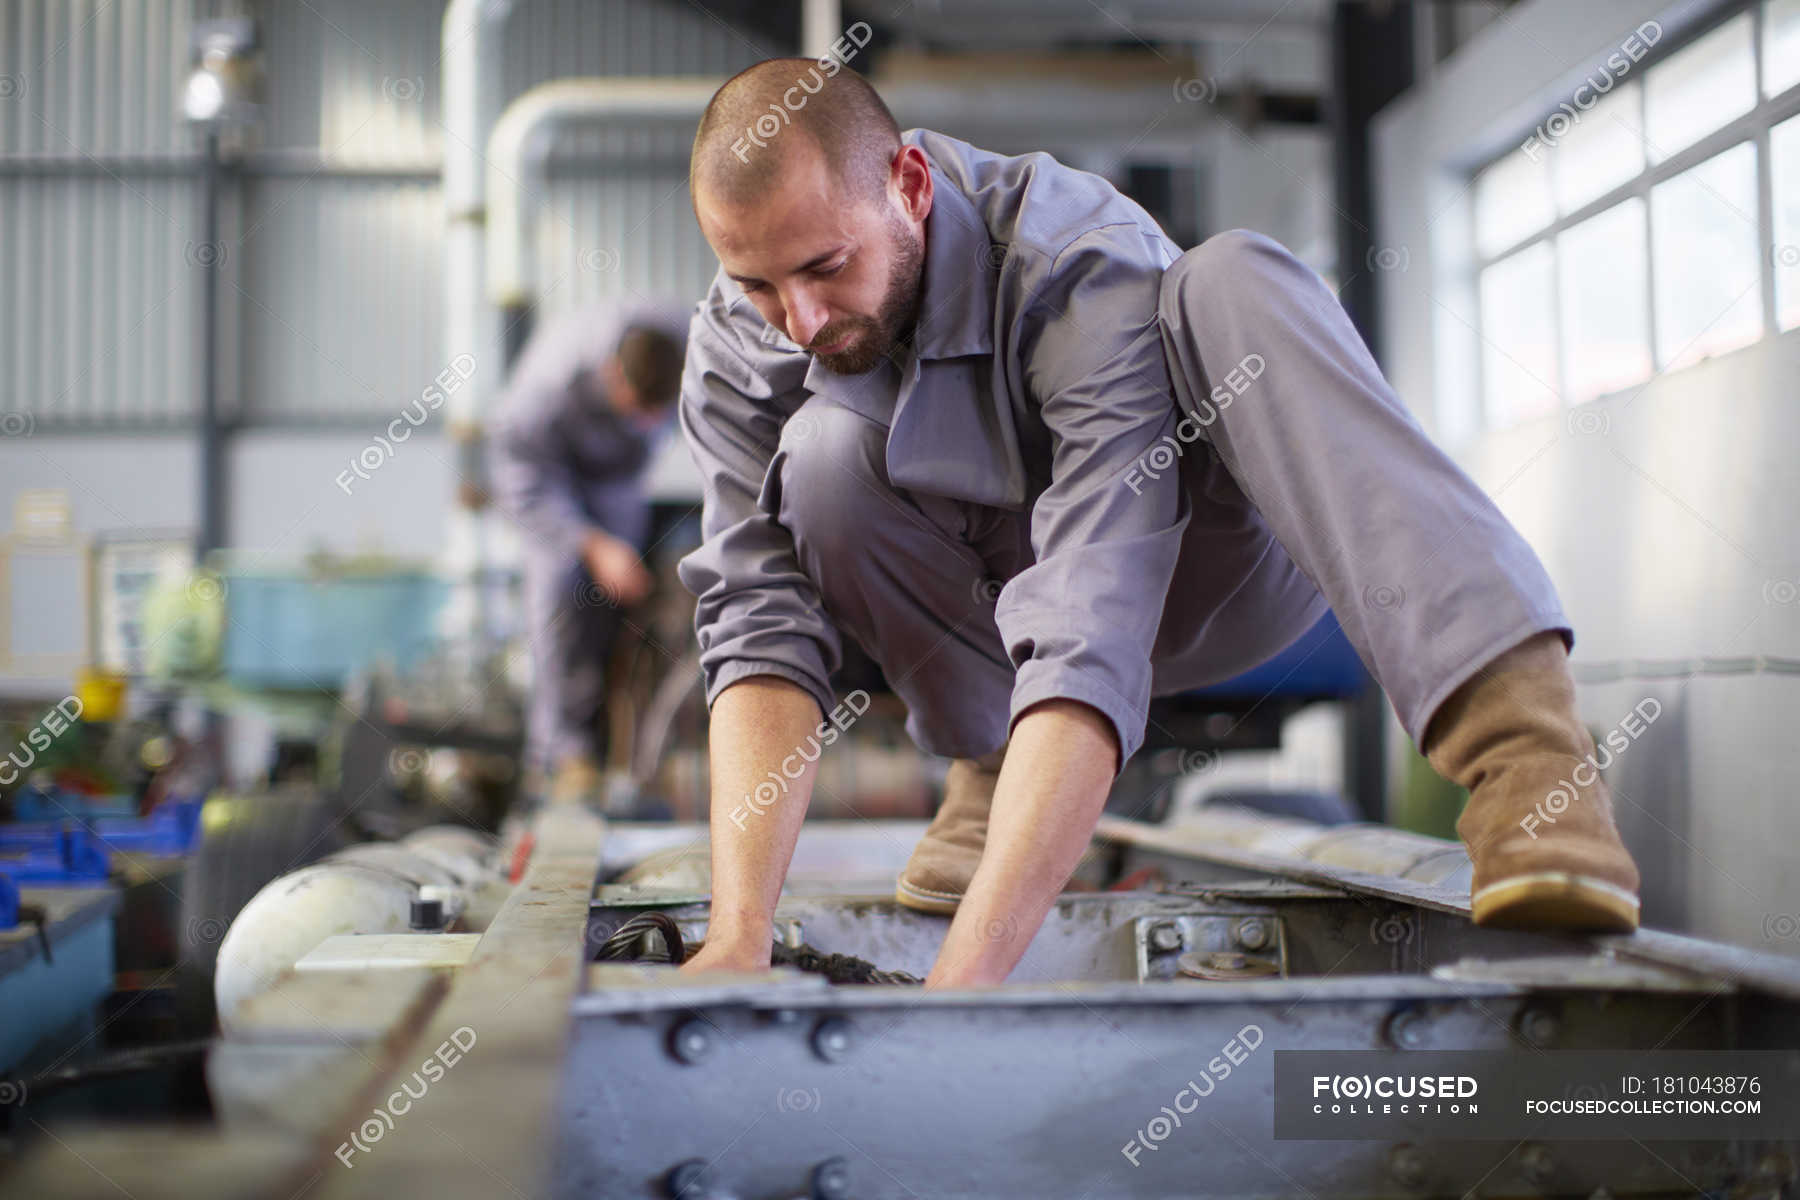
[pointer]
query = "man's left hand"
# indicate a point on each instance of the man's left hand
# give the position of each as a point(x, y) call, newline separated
point(1058, 771)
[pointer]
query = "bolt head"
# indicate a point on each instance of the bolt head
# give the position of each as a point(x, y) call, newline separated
point(1775, 1167)
point(832, 1039)
point(690, 1042)
point(1165, 937)
point(831, 1180)
point(1407, 1165)
point(1539, 1027)
point(685, 1180)
point(1406, 1029)
point(1252, 933)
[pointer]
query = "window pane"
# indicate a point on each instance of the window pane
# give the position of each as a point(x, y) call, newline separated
point(1697, 90)
point(1605, 303)
point(1708, 277)
point(1781, 45)
point(1518, 338)
point(1600, 153)
point(1512, 201)
point(1784, 163)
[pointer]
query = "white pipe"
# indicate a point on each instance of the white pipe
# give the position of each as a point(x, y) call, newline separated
point(522, 137)
point(471, 53)
point(468, 854)
point(472, 95)
point(821, 23)
point(1094, 113)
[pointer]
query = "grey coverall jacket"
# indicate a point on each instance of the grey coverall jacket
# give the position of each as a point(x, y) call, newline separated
point(1101, 470)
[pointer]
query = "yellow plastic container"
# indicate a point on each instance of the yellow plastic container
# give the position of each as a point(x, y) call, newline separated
point(102, 694)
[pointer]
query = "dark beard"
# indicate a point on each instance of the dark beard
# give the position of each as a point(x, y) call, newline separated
point(875, 338)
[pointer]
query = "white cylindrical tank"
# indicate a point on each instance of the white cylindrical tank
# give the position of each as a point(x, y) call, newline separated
point(468, 854)
point(366, 888)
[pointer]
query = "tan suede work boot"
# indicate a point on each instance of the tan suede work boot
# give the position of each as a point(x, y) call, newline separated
point(1539, 823)
point(576, 780)
point(945, 859)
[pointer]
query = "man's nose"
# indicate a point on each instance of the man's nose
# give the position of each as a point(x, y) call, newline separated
point(805, 316)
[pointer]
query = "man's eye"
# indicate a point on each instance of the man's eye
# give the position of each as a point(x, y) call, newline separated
point(832, 269)
point(751, 288)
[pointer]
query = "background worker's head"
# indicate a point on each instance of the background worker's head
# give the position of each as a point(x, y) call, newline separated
point(818, 211)
point(642, 378)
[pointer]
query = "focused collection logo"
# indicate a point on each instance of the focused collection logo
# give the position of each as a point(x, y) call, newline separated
point(1387, 1095)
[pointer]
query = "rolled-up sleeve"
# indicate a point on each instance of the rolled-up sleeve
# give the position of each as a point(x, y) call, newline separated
point(1081, 622)
point(757, 613)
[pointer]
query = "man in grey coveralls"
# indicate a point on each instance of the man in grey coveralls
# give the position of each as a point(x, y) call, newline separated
point(979, 414)
point(576, 427)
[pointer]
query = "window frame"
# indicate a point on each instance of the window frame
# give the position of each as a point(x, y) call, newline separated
point(1752, 126)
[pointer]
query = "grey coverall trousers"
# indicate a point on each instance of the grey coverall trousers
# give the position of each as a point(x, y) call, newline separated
point(1310, 486)
point(570, 625)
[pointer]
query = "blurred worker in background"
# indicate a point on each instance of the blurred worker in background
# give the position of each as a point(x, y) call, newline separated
point(582, 413)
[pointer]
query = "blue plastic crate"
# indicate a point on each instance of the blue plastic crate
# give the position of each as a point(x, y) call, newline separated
point(73, 857)
point(33, 804)
point(171, 828)
point(79, 851)
point(293, 630)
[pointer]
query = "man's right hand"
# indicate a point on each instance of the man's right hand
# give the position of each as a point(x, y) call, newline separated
point(758, 724)
point(616, 569)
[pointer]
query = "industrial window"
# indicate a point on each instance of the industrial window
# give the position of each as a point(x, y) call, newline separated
point(1650, 222)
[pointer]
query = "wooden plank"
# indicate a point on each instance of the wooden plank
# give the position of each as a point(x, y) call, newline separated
point(485, 1128)
point(170, 1162)
point(338, 1007)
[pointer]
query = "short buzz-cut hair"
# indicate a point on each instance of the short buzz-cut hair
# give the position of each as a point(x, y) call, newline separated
point(752, 121)
point(651, 361)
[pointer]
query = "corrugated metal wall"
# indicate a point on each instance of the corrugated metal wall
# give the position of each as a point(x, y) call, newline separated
point(93, 76)
point(343, 311)
point(99, 297)
point(96, 211)
point(617, 219)
point(355, 81)
point(333, 273)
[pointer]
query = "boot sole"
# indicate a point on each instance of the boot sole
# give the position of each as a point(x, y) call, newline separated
point(1555, 900)
point(938, 904)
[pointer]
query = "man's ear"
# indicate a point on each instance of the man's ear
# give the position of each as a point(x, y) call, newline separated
point(611, 381)
point(910, 176)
